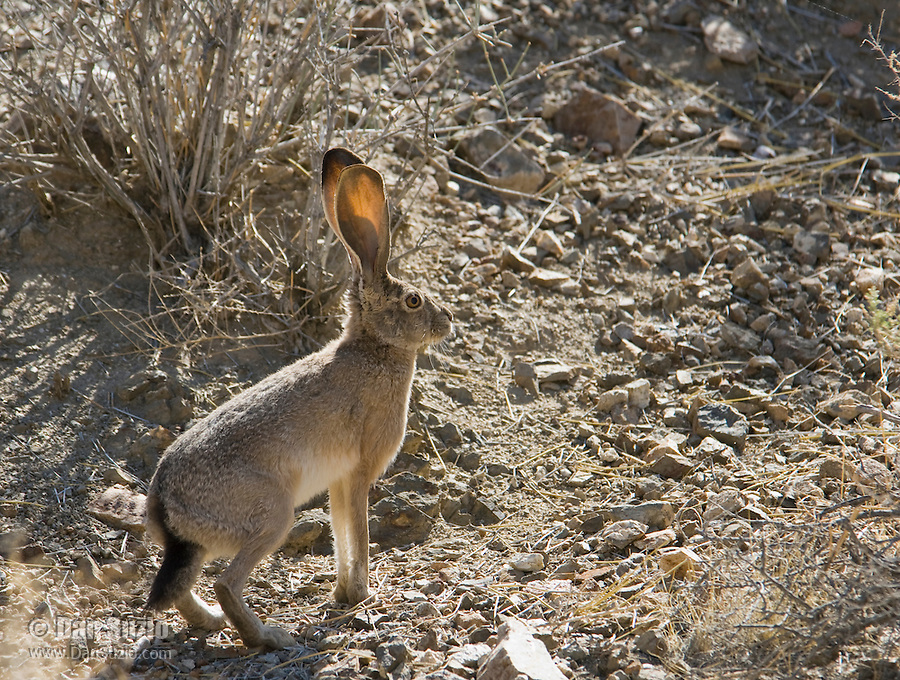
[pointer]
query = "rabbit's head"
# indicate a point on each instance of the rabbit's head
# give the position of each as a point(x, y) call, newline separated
point(381, 306)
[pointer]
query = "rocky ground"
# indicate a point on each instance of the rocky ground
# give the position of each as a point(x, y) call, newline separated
point(661, 443)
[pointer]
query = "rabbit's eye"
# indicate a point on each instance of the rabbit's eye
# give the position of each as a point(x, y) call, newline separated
point(413, 301)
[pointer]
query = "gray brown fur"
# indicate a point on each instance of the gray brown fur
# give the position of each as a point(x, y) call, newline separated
point(333, 420)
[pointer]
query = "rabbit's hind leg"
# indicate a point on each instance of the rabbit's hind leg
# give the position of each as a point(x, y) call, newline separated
point(231, 584)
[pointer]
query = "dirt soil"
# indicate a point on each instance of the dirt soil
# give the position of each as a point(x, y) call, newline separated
point(664, 433)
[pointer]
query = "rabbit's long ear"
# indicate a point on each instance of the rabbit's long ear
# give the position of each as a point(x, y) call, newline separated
point(362, 219)
point(333, 163)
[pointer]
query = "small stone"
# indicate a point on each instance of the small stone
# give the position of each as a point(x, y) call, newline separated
point(659, 514)
point(746, 274)
point(485, 511)
point(513, 259)
point(525, 376)
point(120, 508)
point(527, 562)
point(870, 277)
point(726, 41)
point(726, 503)
point(518, 654)
point(476, 248)
point(671, 465)
point(502, 163)
point(580, 478)
point(391, 655)
point(886, 180)
point(652, 642)
point(547, 278)
point(305, 532)
point(812, 246)
point(710, 447)
point(600, 118)
point(656, 540)
point(739, 337)
point(611, 398)
point(404, 510)
point(623, 533)
point(684, 378)
point(120, 572)
point(639, 393)
point(469, 619)
point(732, 139)
point(551, 370)
point(847, 405)
point(88, 572)
point(116, 475)
point(872, 478)
point(467, 658)
point(680, 563)
point(832, 468)
point(723, 422)
point(546, 240)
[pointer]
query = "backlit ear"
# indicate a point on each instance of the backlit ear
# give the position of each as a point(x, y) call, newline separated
point(333, 163)
point(362, 219)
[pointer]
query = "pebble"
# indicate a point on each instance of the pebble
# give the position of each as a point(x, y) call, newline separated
point(812, 246)
point(671, 465)
point(727, 41)
point(120, 507)
point(406, 511)
point(733, 139)
point(726, 503)
point(551, 370)
point(307, 529)
point(546, 240)
point(656, 540)
point(468, 657)
point(527, 562)
point(518, 654)
point(658, 514)
point(639, 393)
point(847, 405)
point(606, 401)
point(723, 422)
point(623, 533)
point(869, 278)
point(513, 259)
point(547, 278)
point(502, 163)
point(680, 562)
point(746, 274)
point(598, 117)
point(886, 180)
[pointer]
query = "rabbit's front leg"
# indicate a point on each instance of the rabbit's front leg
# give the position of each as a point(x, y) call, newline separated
point(349, 500)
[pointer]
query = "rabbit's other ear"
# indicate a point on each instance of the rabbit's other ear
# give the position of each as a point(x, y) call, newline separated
point(363, 221)
point(333, 163)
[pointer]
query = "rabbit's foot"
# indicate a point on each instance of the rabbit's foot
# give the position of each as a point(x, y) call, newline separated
point(200, 614)
point(271, 637)
point(351, 593)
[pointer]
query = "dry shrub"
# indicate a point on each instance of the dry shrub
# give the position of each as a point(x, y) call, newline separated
point(794, 596)
point(204, 122)
point(891, 59)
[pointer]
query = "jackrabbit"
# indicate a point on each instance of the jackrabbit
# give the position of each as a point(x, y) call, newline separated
point(332, 420)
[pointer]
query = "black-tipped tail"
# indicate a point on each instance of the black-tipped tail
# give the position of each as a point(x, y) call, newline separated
point(181, 564)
